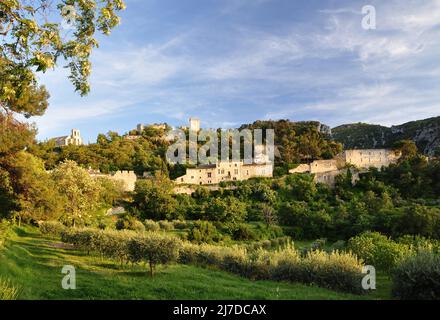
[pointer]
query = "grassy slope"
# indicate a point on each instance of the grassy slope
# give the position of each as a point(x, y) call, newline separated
point(34, 264)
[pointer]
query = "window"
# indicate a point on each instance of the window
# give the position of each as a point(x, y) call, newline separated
point(209, 174)
point(235, 171)
point(247, 172)
point(218, 171)
point(192, 177)
point(235, 164)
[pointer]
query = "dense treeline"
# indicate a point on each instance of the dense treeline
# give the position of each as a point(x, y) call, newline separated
point(111, 152)
point(298, 141)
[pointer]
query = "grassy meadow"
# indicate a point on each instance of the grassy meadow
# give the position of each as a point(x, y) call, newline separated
point(33, 263)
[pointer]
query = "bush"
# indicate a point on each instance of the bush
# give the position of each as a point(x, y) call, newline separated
point(7, 290)
point(378, 250)
point(417, 278)
point(166, 225)
point(154, 249)
point(52, 228)
point(179, 224)
point(419, 243)
point(204, 232)
point(129, 223)
point(244, 232)
point(151, 225)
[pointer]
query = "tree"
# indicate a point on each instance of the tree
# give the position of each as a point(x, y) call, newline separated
point(33, 42)
point(154, 198)
point(268, 214)
point(80, 191)
point(408, 149)
point(30, 191)
point(229, 211)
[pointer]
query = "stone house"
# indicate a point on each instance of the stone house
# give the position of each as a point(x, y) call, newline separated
point(326, 171)
point(225, 171)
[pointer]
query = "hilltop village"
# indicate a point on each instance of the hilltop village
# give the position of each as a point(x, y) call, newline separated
point(323, 171)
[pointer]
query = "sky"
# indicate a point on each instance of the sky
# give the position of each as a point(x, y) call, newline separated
point(230, 62)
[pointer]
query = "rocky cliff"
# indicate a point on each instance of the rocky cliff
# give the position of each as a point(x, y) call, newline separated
point(425, 133)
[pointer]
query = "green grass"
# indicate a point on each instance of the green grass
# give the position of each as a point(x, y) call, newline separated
point(33, 263)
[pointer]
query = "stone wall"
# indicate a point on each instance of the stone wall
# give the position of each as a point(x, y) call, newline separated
point(224, 172)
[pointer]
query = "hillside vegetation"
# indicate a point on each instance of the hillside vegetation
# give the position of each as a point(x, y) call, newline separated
point(425, 133)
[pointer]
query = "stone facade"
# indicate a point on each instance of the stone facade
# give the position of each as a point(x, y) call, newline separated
point(74, 139)
point(326, 171)
point(224, 172)
point(128, 178)
point(370, 158)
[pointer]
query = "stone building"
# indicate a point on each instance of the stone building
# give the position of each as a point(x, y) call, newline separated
point(128, 178)
point(370, 158)
point(326, 171)
point(74, 139)
point(224, 171)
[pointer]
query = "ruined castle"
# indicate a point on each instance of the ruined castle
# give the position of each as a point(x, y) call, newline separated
point(326, 171)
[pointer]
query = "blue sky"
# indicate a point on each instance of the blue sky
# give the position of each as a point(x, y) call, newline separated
point(230, 62)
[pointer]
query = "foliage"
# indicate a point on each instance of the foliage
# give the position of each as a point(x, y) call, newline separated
point(204, 232)
point(230, 212)
point(52, 228)
point(244, 233)
point(154, 198)
point(418, 278)
point(33, 42)
point(298, 141)
point(7, 290)
point(166, 225)
point(151, 225)
point(154, 249)
point(80, 192)
point(5, 230)
point(337, 271)
point(420, 220)
point(378, 250)
point(26, 189)
point(127, 222)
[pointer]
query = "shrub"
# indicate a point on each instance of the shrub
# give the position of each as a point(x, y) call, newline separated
point(166, 225)
point(419, 243)
point(336, 271)
point(179, 224)
point(151, 225)
point(129, 223)
point(7, 290)
point(244, 232)
point(204, 232)
point(154, 249)
point(378, 250)
point(417, 278)
point(51, 228)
